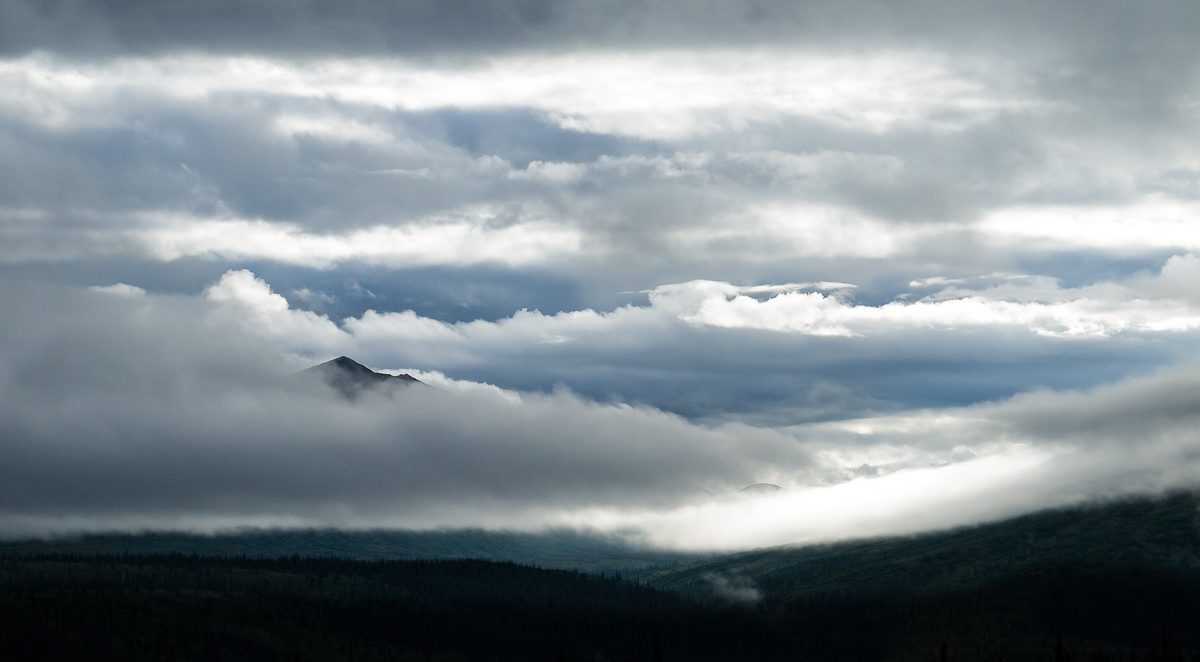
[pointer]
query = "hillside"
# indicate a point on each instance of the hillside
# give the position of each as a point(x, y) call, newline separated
point(1160, 534)
point(1109, 578)
point(1118, 581)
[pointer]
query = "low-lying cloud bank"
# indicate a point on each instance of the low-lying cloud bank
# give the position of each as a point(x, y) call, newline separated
point(122, 409)
point(133, 410)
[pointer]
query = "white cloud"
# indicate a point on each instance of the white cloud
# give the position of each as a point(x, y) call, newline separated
point(958, 466)
point(246, 300)
point(902, 502)
point(1145, 304)
point(1177, 280)
point(655, 94)
point(332, 126)
point(1155, 222)
point(816, 314)
point(458, 241)
point(1100, 310)
point(552, 172)
point(120, 290)
point(773, 231)
point(310, 297)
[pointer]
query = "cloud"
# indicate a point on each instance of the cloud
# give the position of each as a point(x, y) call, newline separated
point(248, 302)
point(829, 245)
point(313, 298)
point(115, 433)
point(1038, 306)
point(153, 411)
point(734, 589)
point(959, 466)
point(119, 290)
point(617, 169)
point(364, 28)
point(667, 94)
point(902, 502)
point(816, 314)
point(1154, 222)
point(805, 351)
point(453, 242)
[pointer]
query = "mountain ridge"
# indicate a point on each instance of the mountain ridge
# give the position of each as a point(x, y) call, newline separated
point(350, 378)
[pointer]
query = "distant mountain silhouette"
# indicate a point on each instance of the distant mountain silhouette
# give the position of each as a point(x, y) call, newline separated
point(350, 378)
point(760, 488)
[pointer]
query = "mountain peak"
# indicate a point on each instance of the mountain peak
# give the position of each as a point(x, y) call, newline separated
point(347, 363)
point(760, 488)
point(350, 378)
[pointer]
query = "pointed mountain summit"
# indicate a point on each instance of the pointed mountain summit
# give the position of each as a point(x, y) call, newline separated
point(351, 378)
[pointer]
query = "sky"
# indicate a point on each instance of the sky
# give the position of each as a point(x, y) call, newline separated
point(921, 265)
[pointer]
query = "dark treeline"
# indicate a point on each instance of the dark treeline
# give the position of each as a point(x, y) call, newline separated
point(558, 549)
point(1082, 614)
point(1117, 583)
point(178, 607)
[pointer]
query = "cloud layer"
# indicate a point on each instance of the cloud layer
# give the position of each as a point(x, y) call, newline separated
point(907, 262)
point(169, 412)
point(173, 412)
